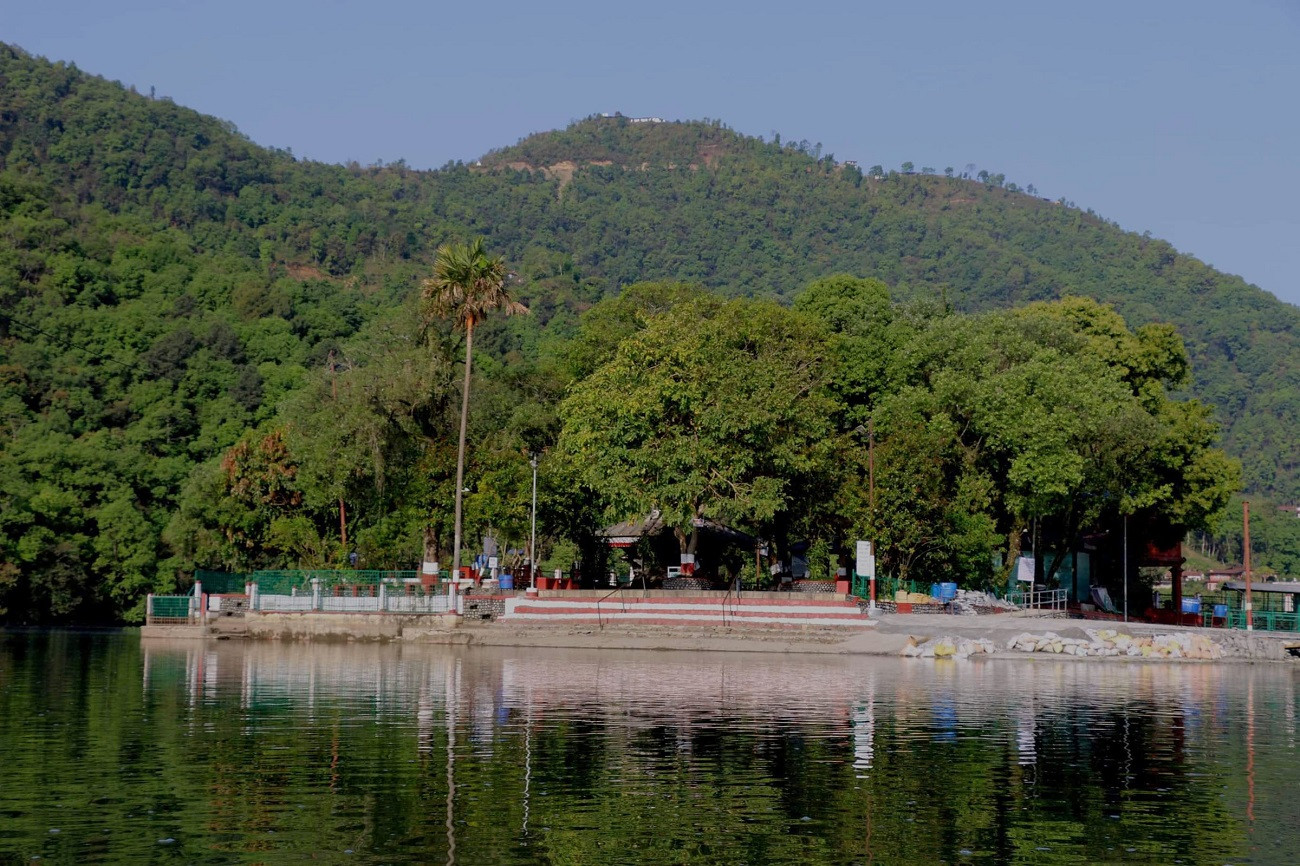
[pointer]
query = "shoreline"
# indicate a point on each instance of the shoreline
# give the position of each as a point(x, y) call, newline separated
point(889, 635)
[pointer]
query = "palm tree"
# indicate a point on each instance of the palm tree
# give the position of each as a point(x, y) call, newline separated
point(467, 285)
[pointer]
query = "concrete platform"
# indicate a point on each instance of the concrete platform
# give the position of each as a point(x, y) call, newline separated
point(762, 610)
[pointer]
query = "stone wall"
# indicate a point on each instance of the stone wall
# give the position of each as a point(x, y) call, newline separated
point(338, 626)
point(171, 632)
point(483, 608)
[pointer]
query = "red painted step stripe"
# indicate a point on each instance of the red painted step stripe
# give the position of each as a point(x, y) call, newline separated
point(717, 613)
point(708, 622)
point(791, 602)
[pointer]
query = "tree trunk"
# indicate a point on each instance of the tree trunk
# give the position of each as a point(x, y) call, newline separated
point(687, 543)
point(1067, 540)
point(460, 451)
point(1013, 551)
point(430, 547)
point(1058, 556)
point(343, 523)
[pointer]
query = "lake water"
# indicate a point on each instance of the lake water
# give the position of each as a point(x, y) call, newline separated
point(114, 751)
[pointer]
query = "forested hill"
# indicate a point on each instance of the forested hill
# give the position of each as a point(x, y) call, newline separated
point(695, 201)
point(165, 283)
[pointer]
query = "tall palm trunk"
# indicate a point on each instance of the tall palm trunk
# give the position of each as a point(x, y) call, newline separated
point(460, 451)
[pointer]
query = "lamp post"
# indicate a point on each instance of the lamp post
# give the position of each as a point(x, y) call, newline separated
point(1125, 568)
point(870, 432)
point(1245, 558)
point(871, 467)
point(532, 544)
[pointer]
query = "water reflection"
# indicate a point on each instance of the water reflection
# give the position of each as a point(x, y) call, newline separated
point(238, 751)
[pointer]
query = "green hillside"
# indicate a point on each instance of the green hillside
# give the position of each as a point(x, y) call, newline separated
point(167, 285)
point(765, 220)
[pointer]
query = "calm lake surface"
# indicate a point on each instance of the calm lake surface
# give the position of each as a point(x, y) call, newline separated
point(114, 751)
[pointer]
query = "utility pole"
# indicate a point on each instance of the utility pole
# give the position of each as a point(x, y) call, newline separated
point(1245, 554)
point(871, 466)
point(870, 430)
point(532, 544)
point(1125, 568)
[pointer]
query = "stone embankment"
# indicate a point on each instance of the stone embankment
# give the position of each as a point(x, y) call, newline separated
point(1018, 634)
point(1108, 643)
point(948, 647)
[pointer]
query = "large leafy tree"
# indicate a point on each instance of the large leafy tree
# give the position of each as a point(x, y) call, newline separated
point(859, 313)
point(1056, 413)
point(712, 411)
point(375, 433)
point(467, 285)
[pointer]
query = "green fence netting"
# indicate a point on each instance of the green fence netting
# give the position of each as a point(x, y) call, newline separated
point(171, 606)
point(220, 582)
point(285, 582)
point(885, 587)
point(1234, 599)
point(1266, 620)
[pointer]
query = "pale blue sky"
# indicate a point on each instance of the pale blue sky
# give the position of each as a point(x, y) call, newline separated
point(1174, 116)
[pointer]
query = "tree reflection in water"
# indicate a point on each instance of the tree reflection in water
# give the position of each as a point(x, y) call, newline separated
point(518, 756)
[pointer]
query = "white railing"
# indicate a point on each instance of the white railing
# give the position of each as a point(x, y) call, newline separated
point(284, 602)
point(396, 603)
point(1043, 599)
point(435, 603)
point(350, 604)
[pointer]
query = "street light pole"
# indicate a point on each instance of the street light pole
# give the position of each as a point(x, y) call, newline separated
point(871, 466)
point(532, 544)
point(1125, 568)
point(1245, 554)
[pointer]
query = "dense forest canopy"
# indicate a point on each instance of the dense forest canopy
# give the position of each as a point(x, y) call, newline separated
point(176, 303)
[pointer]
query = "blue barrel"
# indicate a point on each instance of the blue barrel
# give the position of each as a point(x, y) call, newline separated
point(506, 581)
point(1191, 605)
point(1221, 611)
point(947, 591)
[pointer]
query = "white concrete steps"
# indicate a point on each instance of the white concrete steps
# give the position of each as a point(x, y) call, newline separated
point(795, 612)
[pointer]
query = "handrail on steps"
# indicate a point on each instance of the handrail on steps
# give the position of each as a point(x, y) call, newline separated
point(731, 587)
point(599, 622)
point(644, 589)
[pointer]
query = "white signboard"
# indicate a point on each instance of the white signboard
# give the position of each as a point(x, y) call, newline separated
point(1025, 569)
point(866, 560)
point(430, 567)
